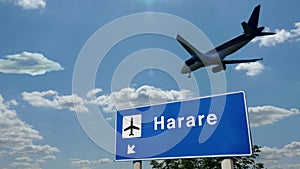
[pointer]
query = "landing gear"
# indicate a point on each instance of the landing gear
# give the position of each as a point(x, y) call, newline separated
point(189, 76)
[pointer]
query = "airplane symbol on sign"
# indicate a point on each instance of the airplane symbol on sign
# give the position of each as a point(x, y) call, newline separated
point(131, 127)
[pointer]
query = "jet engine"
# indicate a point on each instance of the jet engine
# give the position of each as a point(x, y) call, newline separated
point(219, 68)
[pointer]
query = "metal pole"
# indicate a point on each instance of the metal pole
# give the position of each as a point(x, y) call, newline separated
point(137, 164)
point(227, 164)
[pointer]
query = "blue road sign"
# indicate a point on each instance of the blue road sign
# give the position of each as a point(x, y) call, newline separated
point(214, 126)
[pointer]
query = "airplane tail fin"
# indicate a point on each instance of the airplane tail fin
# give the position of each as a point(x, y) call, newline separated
point(252, 25)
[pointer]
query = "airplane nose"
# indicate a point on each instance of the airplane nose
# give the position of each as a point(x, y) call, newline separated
point(185, 69)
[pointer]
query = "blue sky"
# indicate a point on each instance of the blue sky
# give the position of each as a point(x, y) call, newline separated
point(42, 43)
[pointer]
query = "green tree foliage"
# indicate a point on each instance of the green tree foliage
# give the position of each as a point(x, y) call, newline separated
point(210, 163)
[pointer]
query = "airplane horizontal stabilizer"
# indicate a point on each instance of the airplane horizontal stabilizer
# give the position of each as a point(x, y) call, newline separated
point(266, 33)
point(240, 61)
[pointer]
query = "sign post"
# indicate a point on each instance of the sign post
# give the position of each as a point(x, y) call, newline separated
point(214, 126)
point(227, 164)
point(137, 164)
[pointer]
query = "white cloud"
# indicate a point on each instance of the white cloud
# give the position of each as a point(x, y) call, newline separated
point(89, 163)
point(24, 165)
point(28, 63)
point(144, 95)
point(253, 68)
point(49, 157)
point(28, 4)
point(103, 160)
point(286, 157)
point(80, 163)
point(17, 139)
point(125, 98)
point(14, 132)
point(34, 149)
point(52, 99)
point(264, 115)
point(281, 36)
point(23, 159)
point(46, 158)
point(93, 92)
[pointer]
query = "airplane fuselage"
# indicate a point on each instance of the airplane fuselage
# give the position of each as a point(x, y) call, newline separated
point(216, 55)
point(232, 45)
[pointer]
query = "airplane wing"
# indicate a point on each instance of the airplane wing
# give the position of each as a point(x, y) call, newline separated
point(240, 61)
point(187, 46)
point(131, 127)
point(128, 128)
point(134, 127)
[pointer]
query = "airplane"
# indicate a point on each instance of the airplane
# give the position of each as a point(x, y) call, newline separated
point(217, 55)
point(131, 127)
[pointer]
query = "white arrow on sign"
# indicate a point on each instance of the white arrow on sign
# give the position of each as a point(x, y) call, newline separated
point(130, 149)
